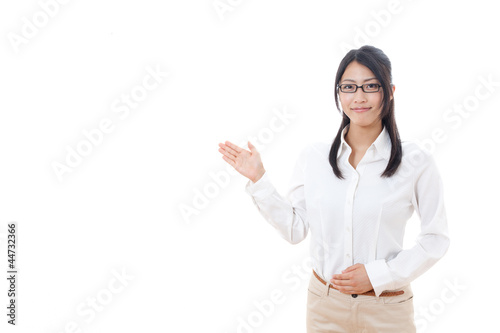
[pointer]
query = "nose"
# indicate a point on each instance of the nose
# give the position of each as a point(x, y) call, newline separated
point(359, 96)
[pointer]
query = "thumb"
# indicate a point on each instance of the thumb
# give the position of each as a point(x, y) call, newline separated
point(252, 147)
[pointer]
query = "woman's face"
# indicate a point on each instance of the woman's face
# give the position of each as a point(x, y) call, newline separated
point(363, 109)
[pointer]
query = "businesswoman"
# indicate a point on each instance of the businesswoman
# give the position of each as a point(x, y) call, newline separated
point(355, 196)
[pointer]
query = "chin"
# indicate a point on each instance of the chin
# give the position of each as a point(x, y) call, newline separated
point(364, 122)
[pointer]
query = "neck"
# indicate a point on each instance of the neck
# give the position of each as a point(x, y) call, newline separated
point(359, 138)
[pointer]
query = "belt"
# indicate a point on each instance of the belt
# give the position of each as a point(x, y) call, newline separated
point(368, 293)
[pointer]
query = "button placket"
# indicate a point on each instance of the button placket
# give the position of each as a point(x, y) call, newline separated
point(348, 258)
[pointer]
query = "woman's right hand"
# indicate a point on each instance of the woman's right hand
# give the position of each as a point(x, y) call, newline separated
point(248, 163)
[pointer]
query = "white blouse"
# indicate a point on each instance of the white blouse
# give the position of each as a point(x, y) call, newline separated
point(362, 218)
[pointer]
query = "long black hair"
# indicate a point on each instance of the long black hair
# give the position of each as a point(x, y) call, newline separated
point(380, 65)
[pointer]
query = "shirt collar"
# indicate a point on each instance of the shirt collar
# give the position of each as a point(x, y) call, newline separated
point(382, 143)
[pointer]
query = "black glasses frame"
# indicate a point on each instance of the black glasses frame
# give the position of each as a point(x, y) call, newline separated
point(339, 86)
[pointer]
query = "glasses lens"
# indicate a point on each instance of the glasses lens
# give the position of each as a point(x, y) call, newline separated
point(370, 87)
point(347, 88)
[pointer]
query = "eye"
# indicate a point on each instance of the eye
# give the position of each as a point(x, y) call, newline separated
point(372, 86)
point(347, 87)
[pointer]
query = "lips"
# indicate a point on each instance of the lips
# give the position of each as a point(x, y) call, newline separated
point(359, 110)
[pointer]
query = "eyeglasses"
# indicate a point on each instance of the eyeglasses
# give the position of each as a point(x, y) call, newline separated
point(352, 88)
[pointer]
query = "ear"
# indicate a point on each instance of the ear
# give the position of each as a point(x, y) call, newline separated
point(393, 89)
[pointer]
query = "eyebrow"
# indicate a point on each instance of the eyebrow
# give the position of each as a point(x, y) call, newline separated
point(372, 78)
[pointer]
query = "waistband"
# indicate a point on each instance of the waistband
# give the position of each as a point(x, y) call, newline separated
point(368, 293)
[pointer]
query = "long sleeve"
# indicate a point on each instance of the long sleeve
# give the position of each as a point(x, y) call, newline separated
point(432, 242)
point(286, 214)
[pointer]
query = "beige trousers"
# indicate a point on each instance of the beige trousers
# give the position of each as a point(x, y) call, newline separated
point(330, 311)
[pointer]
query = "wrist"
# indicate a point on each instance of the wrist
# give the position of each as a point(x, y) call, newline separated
point(259, 176)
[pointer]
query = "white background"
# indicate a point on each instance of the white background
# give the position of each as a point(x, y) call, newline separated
point(229, 72)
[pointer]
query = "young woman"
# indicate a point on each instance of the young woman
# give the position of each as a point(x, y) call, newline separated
point(355, 196)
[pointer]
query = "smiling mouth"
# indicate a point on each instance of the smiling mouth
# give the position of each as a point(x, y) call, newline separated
point(360, 109)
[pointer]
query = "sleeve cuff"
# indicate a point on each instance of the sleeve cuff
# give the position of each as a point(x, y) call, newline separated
point(260, 189)
point(380, 276)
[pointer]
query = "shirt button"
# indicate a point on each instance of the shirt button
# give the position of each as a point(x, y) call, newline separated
point(347, 229)
point(347, 255)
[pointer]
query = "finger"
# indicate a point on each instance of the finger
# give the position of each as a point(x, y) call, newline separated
point(234, 147)
point(227, 154)
point(349, 291)
point(341, 282)
point(340, 277)
point(350, 268)
point(252, 147)
point(230, 161)
point(232, 152)
point(228, 151)
point(346, 290)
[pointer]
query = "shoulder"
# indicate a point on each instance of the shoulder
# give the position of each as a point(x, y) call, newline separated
point(313, 152)
point(316, 149)
point(413, 147)
point(416, 156)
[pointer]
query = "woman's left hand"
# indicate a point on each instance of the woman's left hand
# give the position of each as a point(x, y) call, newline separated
point(353, 280)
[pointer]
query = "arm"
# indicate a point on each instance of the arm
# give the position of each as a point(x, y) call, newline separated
point(432, 242)
point(286, 214)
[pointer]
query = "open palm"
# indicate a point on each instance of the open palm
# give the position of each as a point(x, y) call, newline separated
point(248, 163)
